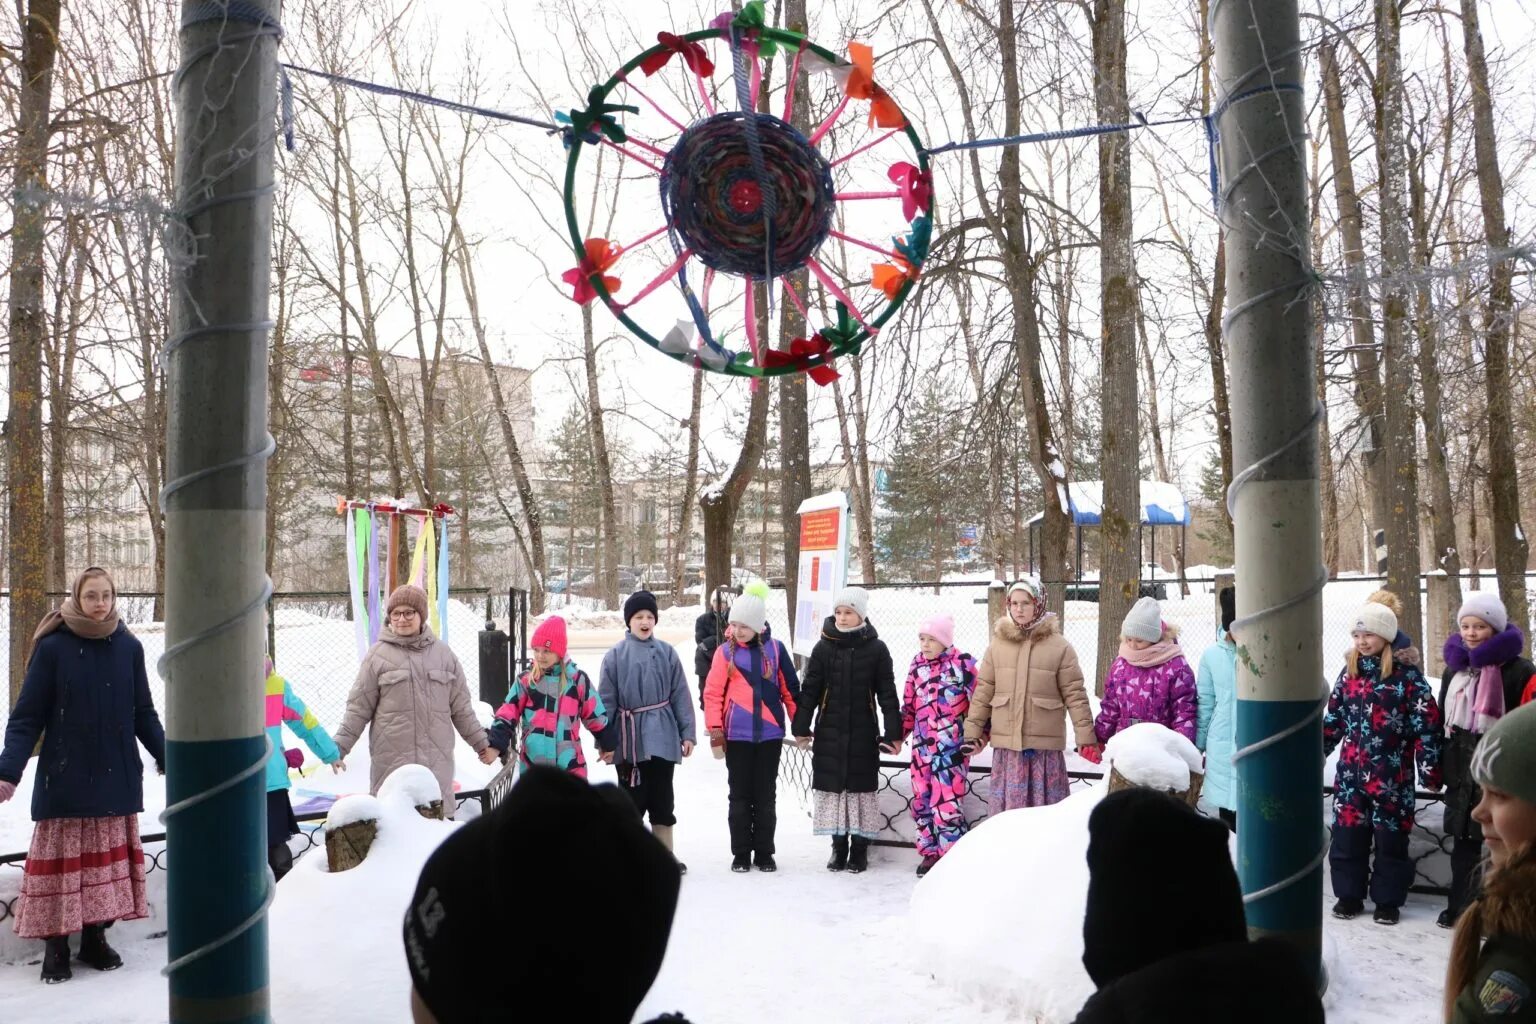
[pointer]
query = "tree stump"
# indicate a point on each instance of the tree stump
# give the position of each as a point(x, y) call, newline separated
point(348, 845)
point(1190, 796)
point(433, 810)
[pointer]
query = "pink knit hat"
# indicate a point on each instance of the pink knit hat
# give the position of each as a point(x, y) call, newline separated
point(551, 636)
point(940, 627)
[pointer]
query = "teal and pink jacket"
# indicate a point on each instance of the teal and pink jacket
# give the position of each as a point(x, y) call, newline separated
point(751, 690)
point(285, 708)
point(549, 710)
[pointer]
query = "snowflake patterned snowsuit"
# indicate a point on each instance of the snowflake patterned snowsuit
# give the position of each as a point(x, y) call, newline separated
point(938, 696)
point(1385, 726)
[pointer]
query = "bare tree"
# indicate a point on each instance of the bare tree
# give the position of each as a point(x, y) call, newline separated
point(28, 548)
point(1510, 550)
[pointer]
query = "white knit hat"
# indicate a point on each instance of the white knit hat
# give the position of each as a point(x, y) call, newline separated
point(1376, 619)
point(1485, 605)
point(751, 608)
point(1144, 621)
point(856, 598)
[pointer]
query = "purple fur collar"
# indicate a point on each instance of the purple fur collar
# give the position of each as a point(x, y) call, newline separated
point(1503, 646)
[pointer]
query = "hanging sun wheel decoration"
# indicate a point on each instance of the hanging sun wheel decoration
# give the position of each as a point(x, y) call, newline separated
point(746, 200)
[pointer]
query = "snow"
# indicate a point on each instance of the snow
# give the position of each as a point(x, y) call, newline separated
point(414, 782)
point(880, 945)
point(1154, 756)
point(1015, 889)
point(349, 810)
point(1162, 503)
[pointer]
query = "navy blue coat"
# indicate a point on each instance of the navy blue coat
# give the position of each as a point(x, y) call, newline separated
point(89, 699)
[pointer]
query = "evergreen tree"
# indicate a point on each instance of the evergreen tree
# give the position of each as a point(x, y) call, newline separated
point(932, 488)
point(1216, 534)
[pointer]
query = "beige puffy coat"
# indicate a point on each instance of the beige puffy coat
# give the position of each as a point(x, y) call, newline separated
point(412, 692)
point(1027, 686)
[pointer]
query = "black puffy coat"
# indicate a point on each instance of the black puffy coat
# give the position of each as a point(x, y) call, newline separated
point(90, 702)
point(845, 677)
point(1461, 792)
point(1252, 982)
point(708, 633)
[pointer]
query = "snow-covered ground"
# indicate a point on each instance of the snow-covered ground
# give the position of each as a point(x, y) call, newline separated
point(803, 944)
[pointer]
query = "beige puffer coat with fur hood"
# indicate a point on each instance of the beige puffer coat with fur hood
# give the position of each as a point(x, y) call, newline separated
point(1026, 687)
point(412, 694)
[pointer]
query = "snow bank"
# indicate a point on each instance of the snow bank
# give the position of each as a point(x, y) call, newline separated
point(414, 782)
point(336, 937)
point(1154, 756)
point(1000, 918)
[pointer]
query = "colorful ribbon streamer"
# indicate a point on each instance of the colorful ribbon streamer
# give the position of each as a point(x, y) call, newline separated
point(442, 584)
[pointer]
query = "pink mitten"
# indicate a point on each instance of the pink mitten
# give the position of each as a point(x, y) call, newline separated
point(295, 758)
point(7, 790)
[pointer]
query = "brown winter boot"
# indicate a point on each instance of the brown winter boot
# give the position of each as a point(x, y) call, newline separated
point(664, 833)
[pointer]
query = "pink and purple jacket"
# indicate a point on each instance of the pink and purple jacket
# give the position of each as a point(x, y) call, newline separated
point(937, 698)
point(1165, 694)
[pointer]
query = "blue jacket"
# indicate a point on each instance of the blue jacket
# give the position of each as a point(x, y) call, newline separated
point(1216, 683)
point(646, 674)
point(89, 700)
point(283, 707)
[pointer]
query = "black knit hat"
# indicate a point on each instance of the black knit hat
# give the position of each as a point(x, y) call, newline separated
point(530, 862)
point(1160, 882)
point(640, 601)
point(1228, 599)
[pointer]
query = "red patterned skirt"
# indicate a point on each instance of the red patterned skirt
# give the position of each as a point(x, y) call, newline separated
point(81, 871)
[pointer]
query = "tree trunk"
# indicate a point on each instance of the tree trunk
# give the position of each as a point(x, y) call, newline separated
point(28, 551)
point(1005, 221)
point(607, 554)
point(1119, 529)
point(1367, 376)
point(683, 543)
point(1441, 507)
point(1397, 357)
point(1510, 551)
point(794, 418)
point(1329, 490)
point(532, 515)
point(61, 384)
point(1216, 353)
point(719, 503)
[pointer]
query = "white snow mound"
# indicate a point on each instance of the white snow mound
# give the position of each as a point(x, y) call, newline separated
point(1023, 947)
point(414, 783)
point(485, 714)
point(351, 809)
point(336, 936)
point(1154, 756)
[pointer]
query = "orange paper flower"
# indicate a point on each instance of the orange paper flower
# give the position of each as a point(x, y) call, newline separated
point(891, 279)
point(860, 85)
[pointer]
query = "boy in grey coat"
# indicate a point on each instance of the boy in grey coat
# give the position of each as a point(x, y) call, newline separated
point(643, 685)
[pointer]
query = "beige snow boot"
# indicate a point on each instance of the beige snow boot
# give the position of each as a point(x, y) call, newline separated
point(664, 833)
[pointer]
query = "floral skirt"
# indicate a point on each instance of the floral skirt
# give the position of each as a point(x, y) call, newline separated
point(1027, 778)
point(81, 871)
point(843, 814)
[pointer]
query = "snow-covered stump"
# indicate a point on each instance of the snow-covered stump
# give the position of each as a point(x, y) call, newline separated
point(1155, 757)
point(416, 784)
point(350, 830)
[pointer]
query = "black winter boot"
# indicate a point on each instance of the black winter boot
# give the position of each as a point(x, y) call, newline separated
point(56, 961)
point(839, 859)
point(858, 856)
point(94, 951)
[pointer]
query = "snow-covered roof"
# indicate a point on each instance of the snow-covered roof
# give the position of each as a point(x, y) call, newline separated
point(1161, 504)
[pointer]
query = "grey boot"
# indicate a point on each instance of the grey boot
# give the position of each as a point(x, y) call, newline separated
point(664, 833)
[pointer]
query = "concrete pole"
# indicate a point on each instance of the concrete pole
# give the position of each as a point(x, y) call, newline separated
point(215, 509)
point(1261, 124)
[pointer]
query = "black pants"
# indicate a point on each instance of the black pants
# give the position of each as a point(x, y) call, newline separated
point(1465, 855)
point(652, 792)
point(1350, 860)
point(1228, 818)
point(753, 771)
